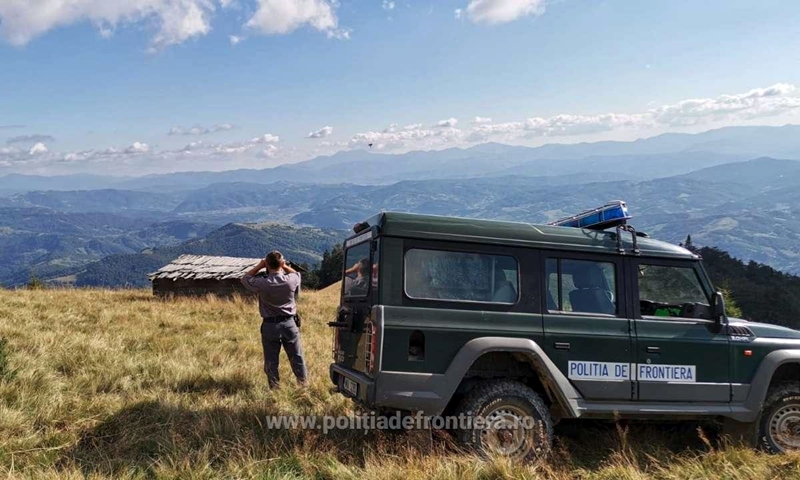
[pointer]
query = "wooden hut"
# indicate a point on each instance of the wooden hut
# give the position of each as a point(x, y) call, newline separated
point(196, 275)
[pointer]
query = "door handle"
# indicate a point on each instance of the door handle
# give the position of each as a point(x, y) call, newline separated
point(653, 349)
point(562, 346)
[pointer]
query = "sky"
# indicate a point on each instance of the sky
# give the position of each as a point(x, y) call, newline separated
point(130, 87)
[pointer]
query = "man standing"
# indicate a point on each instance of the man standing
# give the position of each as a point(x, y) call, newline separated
point(276, 303)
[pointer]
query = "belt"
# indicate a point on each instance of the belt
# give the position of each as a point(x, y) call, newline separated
point(279, 319)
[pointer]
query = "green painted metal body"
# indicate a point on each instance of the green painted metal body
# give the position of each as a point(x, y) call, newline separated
point(722, 361)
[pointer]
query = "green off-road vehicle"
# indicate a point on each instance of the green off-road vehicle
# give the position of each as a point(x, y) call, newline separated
point(524, 325)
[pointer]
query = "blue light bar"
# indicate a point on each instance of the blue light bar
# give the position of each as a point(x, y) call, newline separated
point(609, 215)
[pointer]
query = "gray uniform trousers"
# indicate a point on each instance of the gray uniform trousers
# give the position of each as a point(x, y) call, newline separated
point(285, 333)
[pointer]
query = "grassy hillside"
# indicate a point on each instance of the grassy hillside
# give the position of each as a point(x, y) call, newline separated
point(118, 384)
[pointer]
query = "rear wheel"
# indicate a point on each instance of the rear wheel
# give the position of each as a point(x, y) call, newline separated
point(507, 418)
point(779, 427)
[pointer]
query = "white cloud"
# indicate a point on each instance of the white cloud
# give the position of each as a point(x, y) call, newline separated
point(278, 17)
point(200, 130)
point(406, 139)
point(323, 132)
point(557, 126)
point(200, 148)
point(235, 39)
point(270, 151)
point(175, 20)
point(501, 11)
point(458, 13)
point(141, 158)
point(758, 102)
point(194, 146)
point(266, 138)
point(449, 123)
point(138, 147)
point(38, 149)
point(720, 111)
point(387, 5)
point(233, 148)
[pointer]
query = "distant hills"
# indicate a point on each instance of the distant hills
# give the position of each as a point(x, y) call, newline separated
point(736, 188)
point(300, 245)
point(46, 243)
point(662, 155)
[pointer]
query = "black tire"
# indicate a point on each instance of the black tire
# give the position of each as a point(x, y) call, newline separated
point(779, 425)
point(518, 424)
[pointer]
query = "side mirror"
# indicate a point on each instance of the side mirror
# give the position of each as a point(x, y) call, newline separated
point(719, 307)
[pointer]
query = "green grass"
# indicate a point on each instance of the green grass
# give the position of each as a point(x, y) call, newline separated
point(118, 384)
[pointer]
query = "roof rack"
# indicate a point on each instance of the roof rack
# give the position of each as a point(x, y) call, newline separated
point(612, 214)
point(609, 215)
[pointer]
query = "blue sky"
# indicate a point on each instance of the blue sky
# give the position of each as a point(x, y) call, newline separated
point(100, 86)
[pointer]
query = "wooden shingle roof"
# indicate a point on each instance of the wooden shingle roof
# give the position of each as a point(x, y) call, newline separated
point(202, 267)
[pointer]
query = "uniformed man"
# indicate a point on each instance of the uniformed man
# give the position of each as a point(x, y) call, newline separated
point(276, 303)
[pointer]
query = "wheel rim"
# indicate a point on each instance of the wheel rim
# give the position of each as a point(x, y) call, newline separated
point(784, 427)
point(509, 431)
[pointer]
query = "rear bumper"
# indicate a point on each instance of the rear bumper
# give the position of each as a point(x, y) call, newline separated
point(395, 390)
point(366, 386)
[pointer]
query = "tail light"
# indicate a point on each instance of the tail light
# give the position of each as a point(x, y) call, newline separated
point(370, 347)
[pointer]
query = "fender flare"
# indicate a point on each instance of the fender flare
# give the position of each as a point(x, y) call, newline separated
point(549, 373)
point(763, 377)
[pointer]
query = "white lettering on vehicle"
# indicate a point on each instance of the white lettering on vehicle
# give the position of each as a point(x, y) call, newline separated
point(618, 372)
point(667, 373)
point(613, 372)
point(358, 239)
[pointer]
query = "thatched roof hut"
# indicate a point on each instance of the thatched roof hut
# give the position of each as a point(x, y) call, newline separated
point(195, 275)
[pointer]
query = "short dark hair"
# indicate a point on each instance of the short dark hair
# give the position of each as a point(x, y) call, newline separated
point(274, 259)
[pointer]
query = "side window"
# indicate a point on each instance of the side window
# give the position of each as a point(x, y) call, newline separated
point(583, 286)
point(669, 291)
point(461, 276)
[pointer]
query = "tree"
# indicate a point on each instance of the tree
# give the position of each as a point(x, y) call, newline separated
point(35, 284)
point(311, 277)
point(688, 245)
point(330, 270)
point(731, 308)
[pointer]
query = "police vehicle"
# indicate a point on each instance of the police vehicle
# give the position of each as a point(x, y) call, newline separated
point(522, 325)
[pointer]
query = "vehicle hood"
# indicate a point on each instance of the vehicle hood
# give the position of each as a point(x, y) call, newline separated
point(765, 330)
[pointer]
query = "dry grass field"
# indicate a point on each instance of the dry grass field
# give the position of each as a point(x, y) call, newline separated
point(118, 384)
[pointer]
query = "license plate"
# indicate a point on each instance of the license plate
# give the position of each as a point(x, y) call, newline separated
point(350, 386)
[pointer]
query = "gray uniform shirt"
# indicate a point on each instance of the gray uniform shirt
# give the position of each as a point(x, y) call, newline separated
point(276, 293)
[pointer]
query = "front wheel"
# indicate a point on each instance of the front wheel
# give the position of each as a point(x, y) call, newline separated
point(779, 427)
point(506, 418)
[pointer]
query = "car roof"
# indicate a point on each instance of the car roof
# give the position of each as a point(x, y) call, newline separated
point(471, 230)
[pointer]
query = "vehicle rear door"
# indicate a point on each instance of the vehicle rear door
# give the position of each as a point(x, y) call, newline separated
point(586, 325)
point(681, 353)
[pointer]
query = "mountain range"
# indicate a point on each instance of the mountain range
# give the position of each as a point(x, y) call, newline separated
point(662, 155)
point(717, 186)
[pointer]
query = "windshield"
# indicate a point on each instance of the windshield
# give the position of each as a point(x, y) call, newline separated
point(358, 270)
